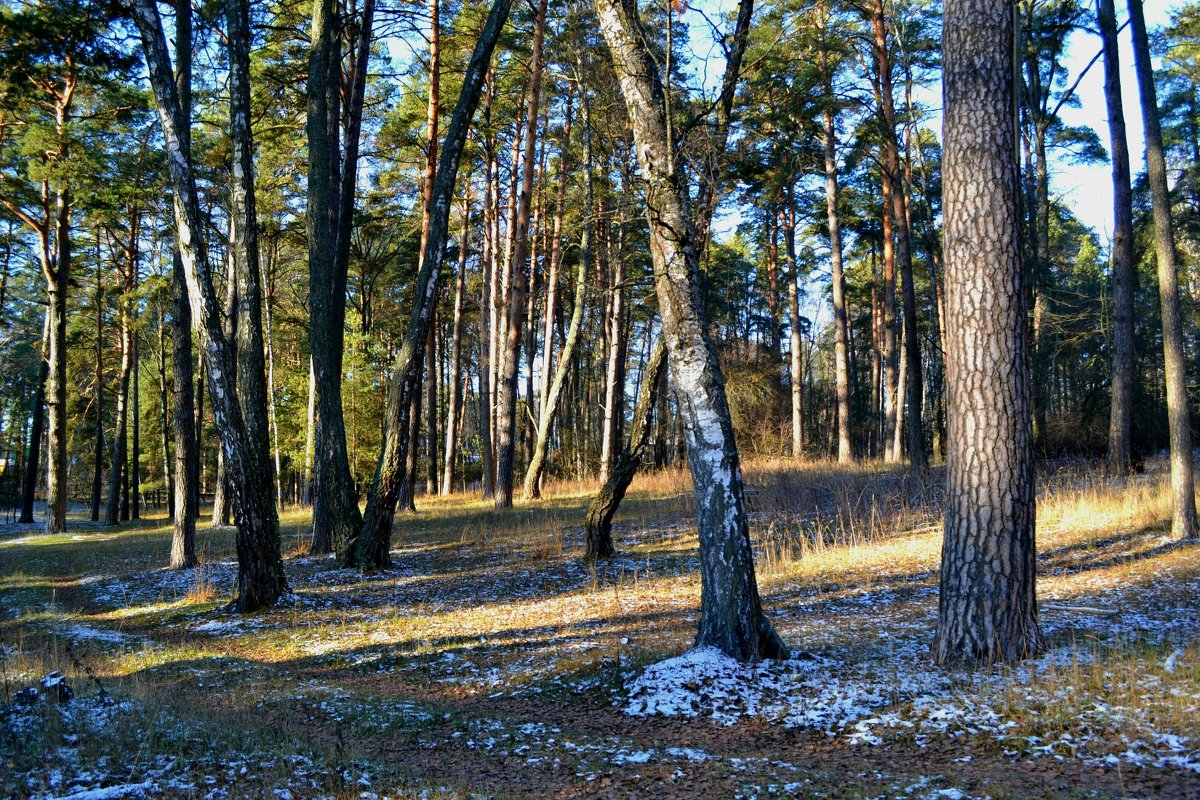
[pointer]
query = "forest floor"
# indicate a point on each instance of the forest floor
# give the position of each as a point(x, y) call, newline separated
point(493, 662)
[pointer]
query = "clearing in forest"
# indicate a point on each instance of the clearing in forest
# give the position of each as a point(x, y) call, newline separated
point(493, 662)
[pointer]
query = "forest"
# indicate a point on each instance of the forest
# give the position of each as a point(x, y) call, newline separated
point(605, 398)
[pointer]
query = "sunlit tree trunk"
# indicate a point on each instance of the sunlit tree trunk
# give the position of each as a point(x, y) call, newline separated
point(373, 545)
point(987, 609)
point(260, 568)
point(506, 400)
point(37, 427)
point(731, 617)
point(455, 401)
point(1183, 502)
point(1120, 424)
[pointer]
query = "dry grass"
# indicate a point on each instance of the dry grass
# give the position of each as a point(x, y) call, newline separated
point(484, 602)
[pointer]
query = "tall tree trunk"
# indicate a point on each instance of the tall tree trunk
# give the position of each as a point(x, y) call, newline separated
point(260, 568)
point(164, 407)
point(222, 509)
point(36, 428)
point(507, 390)
point(614, 374)
point(336, 516)
point(98, 393)
point(841, 361)
point(731, 617)
point(454, 402)
point(1120, 426)
point(135, 454)
point(118, 474)
point(987, 609)
point(796, 371)
point(187, 445)
point(56, 394)
point(1183, 504)
point(374, 540)
point(553, 393)
point(432, 371)
point(431, 148)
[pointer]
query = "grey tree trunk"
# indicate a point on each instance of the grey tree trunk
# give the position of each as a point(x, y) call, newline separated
point(795, 364)
point(731, 617)
point(187, 446)
point(260, 568)
point(373, 545)
point(506, 397)
point(987, 608)
point(1183, 503)
point(1120, 425)
point(118, 469)
point(614, 380)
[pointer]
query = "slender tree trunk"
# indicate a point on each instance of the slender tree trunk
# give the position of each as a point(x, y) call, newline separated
point(731, 617)
point(187, 423)
point(374, 541)
point(987, 609)
point(135, 455)
point(118, 469)
point(164, 408)
point(36, 428)
point(598, 524)
point(1120, 426)
point(98, 393)
point(454, 402)
point(796, 372)
point(553, 393)
point(614, 380)
point(56, 393)
point(507, 390)
point(222, 494)
point(1183, 505)
point(841, 361)
point(260, 568)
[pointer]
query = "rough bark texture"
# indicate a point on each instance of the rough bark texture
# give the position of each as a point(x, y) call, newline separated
point(598, 524)
point(1120, 425)
point(731, 617)
point(374, 540)
point(987, 608)
point(1183, 504)
point(260, 569)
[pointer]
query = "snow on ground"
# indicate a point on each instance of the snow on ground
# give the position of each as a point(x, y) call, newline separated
point(890, 687)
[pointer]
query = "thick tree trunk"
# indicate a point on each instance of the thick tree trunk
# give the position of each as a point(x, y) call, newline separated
point(58, 284)
point(506, 400)
point(374, 541)
point(260, 569)
point(987, 608)
point(336, 516)
point(1120, 426)
point(188, 411)
point(598, 524)
point(731, 617)
point(1183, 504)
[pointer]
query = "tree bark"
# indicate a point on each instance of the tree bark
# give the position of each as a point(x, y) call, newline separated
point(598, 524)
point(1183, 501)
point(98, 394)
point(796, 371)
point(260, 568)
point(987, 609)
point(374, 540)
point(731, 617)
point(1120, 426)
